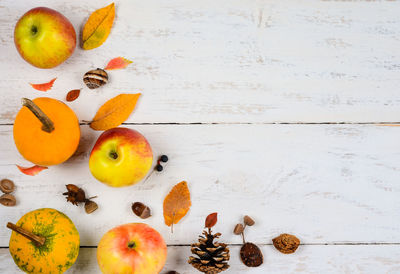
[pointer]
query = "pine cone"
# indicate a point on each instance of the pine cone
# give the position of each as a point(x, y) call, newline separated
point(212, 257)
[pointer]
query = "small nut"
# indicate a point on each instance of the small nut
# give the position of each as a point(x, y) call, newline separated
point(8, 200)
point(238, 229)
point(90, 206)
point(141, 210)
point(7, 186)
point(248, 221)
point(286, 243)
point(251, 255)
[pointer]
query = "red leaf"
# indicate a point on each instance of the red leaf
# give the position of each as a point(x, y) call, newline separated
point(31, 171)
point(44, 86)
point(211, 220)
point(117, 63)
point(73, 95)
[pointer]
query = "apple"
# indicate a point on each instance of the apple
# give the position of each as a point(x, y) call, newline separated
point(132, 248)
point(44, 37)
point(120, 157)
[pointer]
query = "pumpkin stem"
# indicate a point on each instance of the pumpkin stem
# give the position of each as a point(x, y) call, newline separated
point(48, 125)
point(36, 239)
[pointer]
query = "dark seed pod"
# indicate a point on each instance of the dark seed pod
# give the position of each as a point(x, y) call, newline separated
point(141, 210)
point(95, 78)
point(7, 186)
point(251, 255)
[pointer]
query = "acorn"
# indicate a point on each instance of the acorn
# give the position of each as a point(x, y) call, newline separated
point(95, 78)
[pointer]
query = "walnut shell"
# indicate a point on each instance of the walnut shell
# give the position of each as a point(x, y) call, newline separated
point(286, 243)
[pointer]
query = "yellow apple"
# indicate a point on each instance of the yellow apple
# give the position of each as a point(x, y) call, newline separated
point(134, 248)
point(44, 37)
point(120, 157)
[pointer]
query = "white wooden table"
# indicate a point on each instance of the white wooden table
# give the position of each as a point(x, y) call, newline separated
point(275, 109)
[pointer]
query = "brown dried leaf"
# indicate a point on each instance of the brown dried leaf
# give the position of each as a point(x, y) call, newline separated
point(72, 95)
point(8, 200)
point(286, 243)
point(7, 186)
point(176, 204)
point(211, 220)
point(238, 229)
point(251, 255)
point(248, 221)
point(114, 112)
point(141, 210)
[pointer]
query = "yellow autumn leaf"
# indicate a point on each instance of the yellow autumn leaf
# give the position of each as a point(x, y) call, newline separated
point(176, 204)
point(98, 27)
point(114, 112)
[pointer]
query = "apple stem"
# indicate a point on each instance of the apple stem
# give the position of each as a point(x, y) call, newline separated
point(36, 239)
point(47, 124)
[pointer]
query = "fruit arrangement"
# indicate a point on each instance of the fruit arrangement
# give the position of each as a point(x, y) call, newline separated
point(47, 132)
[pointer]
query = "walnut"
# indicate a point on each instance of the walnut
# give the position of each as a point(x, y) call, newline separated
point(286, 243)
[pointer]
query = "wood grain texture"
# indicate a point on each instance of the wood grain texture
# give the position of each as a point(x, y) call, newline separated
point(233, 61)
point(308, 259)
point(324, 183)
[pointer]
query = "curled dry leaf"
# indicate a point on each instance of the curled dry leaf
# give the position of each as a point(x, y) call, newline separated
point(248, 221)
point(251, 255)
point(211, 220)
point(90, 206)
point(238, 229)
point(176, 204)
point(286, 243)
point(8, 200)
point(98, 27)
point(44, 86)
point(115, 111)
point(118, 63)
point(141, 210)
point(31, 171)
point(7, 186)
point(72, 95)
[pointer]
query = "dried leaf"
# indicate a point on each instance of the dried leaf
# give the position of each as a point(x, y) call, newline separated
point(98, 27)
point(44, 86)
point(118, 63)
point(248, 221)
point(115, 111)
point(31, 171)
point(176, 204)
point(72, 95)
point(8, 200)
point(251, 255)
point(7, 186)
point(211, 220)
point(238, 229)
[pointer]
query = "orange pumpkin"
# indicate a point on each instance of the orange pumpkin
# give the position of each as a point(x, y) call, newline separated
point(46, 131)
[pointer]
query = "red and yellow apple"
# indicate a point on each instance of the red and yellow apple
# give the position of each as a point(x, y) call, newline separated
point(134, 248)
point(44, 37)
point(120, 157)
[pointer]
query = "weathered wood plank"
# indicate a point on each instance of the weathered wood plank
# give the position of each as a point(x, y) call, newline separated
point(324, 183)
point(308, 259)
point(230, 61)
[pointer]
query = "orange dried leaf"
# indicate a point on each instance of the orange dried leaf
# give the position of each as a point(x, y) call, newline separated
point(115, 111)
point(176, 204)
point(72, 95)
point(98, 27)
point(44, 86)
point(211, 220)
point(31, 171)
point(118, 63)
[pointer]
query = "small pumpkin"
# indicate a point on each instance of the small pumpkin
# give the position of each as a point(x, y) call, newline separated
point(46, 131)
point(44, 241)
